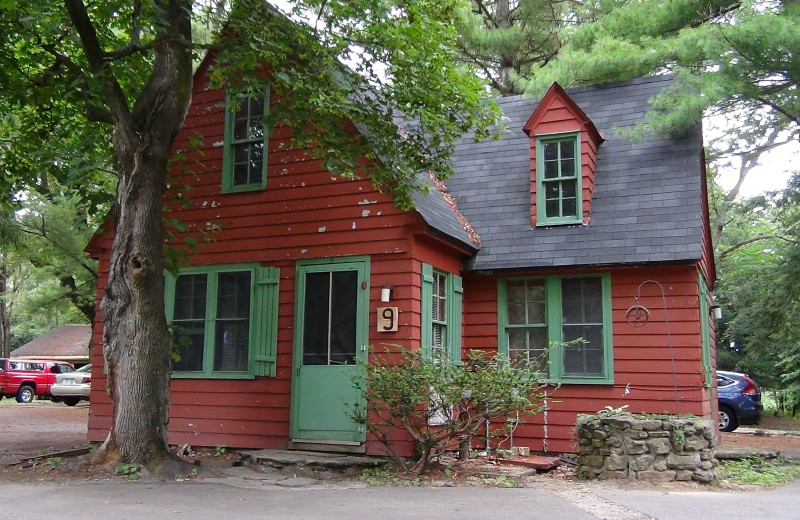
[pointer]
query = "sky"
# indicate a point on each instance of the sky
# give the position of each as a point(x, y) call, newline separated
point(772, 173)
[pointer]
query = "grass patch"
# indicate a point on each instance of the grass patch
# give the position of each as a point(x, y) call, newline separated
point(381, 477)
point(757, 471)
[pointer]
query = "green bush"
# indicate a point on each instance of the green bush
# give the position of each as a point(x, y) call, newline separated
point(441, 404)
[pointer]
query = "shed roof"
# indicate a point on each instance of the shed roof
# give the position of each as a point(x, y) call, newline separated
point(66, 342)
point(647, 201)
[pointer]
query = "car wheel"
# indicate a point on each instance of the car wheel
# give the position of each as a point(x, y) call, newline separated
point(25, 394)
point(727, 419)
point(71, 401)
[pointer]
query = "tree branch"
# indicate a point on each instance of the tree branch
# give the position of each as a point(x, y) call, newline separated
point(98, 65)
point(758, 238)
point(791, 117)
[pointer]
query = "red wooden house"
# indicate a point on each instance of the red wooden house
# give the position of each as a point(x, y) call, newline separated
point(563, 229)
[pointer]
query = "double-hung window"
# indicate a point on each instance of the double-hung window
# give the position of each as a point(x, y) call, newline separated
point(560, 326)
point(245, 143)
point(225, 320)
point(441, 314)
point(558, 179)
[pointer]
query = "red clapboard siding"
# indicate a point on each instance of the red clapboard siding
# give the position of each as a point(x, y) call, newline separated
point(644, 358)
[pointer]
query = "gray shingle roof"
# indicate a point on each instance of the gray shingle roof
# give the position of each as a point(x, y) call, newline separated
point(439, 215)
point(647, 201)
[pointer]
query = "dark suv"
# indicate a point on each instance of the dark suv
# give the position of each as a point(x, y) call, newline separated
point(739, 400)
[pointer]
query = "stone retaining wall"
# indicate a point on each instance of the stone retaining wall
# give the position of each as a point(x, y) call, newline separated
point(659, 448)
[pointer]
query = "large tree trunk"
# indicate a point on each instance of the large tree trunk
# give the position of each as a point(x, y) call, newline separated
point(136, 340)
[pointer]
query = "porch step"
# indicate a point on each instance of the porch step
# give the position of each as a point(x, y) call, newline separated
point(538, 462)
point(310, 464)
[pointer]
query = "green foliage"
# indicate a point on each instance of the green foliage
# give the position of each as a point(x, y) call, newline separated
point(609, 411)
point(741, 55)
point(128, 471)
point(438, 404)
point(220, 450)
point(506, 40)
point(758, 289)
point(754, 470)
point(180, 341)
point(51, 280)
point(53, 462)
point(376, 477)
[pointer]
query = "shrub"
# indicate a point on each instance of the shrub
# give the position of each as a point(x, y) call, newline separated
point(440, 404)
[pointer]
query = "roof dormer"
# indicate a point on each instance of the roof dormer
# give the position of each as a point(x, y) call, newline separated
point(563, 154)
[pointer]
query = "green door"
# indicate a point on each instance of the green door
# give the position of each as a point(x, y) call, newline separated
point(331, 333)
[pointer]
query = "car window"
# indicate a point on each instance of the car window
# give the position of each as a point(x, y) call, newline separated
point(85, 368)
point(724, 381)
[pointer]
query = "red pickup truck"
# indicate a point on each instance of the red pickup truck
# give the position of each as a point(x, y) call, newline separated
point(27, 378)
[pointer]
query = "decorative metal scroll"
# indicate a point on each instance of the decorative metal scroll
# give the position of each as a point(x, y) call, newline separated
point(637, 315)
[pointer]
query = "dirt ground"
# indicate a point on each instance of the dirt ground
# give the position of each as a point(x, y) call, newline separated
point(39, 428)
point(43, 428)
point(768, 423)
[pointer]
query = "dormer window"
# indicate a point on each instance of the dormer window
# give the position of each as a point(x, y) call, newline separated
point(558, 187)
point(564, 144)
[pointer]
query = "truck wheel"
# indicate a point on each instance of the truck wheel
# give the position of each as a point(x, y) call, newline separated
point(71, 401)
point(25, 394)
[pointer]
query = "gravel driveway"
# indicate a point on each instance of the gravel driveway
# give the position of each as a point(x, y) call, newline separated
point(39, 428)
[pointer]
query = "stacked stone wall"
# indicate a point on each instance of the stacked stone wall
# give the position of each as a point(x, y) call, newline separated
point(659, 448)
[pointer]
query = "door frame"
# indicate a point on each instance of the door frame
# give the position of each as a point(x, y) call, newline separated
point(361, 264)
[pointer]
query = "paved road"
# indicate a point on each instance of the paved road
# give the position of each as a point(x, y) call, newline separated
point(782, 503)
point(198, 501)
point(205, 501)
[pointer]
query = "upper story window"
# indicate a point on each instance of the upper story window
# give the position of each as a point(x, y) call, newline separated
point(225, 318)
point(558, 179)
point(245, 152)
point(558, 325)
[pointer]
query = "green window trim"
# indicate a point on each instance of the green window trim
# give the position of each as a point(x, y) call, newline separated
point(553, 317)
point(263, 319)
point(559, 195)
point(237, 108)
point(450, 323)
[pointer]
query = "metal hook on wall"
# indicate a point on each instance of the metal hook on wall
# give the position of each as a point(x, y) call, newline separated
point(638, 316)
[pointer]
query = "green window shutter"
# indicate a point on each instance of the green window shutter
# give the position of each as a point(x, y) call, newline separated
point(454, 318)
point(705, 331)
point(426, 308)
point(265, 321)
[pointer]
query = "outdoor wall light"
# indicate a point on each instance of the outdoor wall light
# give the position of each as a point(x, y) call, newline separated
point(386, 293)
point(717, 312)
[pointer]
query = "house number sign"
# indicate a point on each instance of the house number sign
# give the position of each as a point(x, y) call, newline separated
point(387, 319)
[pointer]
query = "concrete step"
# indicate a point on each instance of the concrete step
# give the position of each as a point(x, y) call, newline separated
point(310, 464)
